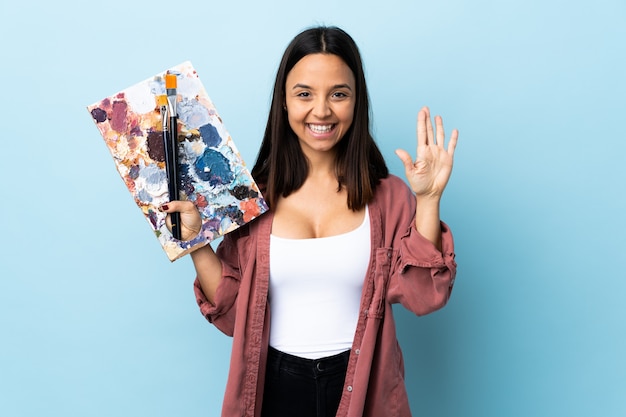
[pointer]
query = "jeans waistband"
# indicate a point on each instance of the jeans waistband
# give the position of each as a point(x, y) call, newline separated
point(308, 367)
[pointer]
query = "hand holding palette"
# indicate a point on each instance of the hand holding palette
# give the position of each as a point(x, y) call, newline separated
point(211, 172)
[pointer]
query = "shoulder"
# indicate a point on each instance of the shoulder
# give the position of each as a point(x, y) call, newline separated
point(240, 244)
point(394, 199)
point(252, 230)
point(390, 186)
point(394, 207)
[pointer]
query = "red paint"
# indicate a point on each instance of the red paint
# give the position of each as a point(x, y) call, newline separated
point(118, 116)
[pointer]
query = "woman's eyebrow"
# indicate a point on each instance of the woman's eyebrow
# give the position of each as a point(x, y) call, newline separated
point(299, 85)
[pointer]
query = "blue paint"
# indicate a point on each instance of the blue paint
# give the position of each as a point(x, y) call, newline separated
point(210, 135)
point(134, 172)
point(230, 212)
point(144, 196)
point(192, 113)
point(186, 181)
point(154, 176)
point(214, 168)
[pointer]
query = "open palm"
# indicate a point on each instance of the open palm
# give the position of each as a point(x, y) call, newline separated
point(430, 172)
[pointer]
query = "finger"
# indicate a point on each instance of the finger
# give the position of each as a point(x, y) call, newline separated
point(429, 129)
point(185, 227)
point(168, 222)
point(405, 157)
point(421, 128)
point(453, 140)
point(441, 136)
point(178, 206)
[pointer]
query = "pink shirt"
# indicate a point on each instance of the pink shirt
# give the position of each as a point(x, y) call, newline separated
point(404, 268)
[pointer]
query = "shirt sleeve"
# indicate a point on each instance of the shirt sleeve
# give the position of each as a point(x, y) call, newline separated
point(222, 311)
point(421, 277)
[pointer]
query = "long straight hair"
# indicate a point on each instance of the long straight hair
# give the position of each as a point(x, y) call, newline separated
point(281, 167)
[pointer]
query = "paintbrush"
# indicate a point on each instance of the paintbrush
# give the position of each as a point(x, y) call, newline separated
point(170, 134)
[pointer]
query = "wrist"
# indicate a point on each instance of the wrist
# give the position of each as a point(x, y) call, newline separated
point(428, 200)
point(202, 251)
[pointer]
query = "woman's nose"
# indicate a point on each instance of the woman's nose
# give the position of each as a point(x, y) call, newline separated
point(321, 108)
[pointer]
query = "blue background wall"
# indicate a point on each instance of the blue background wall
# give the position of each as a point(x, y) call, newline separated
point(94, 321)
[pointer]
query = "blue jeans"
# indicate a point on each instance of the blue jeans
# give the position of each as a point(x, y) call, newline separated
point(299, 387)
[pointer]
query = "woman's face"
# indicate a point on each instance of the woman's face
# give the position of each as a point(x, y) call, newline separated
point(320, 98)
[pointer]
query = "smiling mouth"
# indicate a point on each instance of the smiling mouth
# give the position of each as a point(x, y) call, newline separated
point(321, 128)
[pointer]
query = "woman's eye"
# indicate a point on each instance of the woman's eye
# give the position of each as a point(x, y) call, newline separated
point(339, 94)
point(304, 94)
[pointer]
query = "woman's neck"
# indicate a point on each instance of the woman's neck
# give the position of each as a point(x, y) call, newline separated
point(322, 167)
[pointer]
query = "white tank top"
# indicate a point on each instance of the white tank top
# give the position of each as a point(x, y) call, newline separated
point(315, 291)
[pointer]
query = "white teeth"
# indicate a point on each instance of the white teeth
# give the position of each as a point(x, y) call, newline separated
point(321, 128)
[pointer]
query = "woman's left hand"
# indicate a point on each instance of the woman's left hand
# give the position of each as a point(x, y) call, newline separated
point(430, 172)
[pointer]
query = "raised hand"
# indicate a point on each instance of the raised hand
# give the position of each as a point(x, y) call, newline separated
point(430, 172)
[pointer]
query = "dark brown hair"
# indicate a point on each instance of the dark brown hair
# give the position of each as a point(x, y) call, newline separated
point(281, 167)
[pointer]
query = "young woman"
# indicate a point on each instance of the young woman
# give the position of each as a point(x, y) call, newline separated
point(306, 289)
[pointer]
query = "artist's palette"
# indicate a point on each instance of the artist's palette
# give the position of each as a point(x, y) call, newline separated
point(212, 173)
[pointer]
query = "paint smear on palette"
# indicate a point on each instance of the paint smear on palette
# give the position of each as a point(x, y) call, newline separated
point(212, 173)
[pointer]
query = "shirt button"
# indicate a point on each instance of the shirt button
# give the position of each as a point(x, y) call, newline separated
point(349, 388)
point(358, 351)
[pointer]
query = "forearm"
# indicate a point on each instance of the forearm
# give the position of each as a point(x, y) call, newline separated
point(208, 269)
point(427, 221)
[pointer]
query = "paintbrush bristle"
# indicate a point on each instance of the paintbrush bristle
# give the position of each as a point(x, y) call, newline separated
point(162, 100)
point(170, 81)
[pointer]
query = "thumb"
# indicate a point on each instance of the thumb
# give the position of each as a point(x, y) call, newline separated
point(405, 157)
